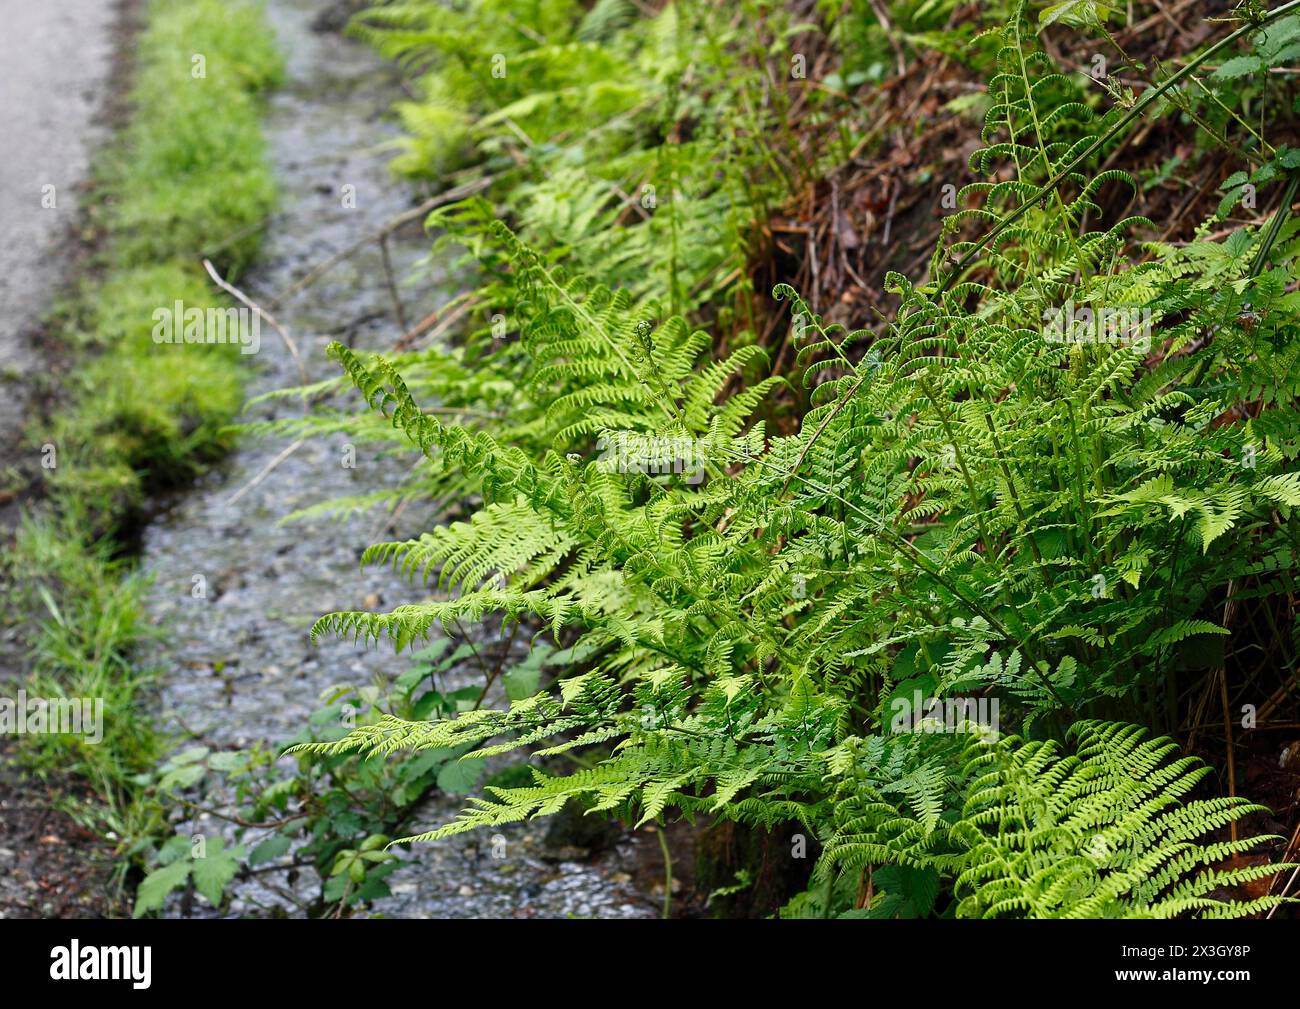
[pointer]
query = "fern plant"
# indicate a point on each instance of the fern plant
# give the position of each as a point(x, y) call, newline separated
point(992, 495)
point(599, 121)
point(1103, 833)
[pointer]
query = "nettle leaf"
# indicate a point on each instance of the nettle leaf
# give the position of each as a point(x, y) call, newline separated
point(522, 679)
point(270, 849)
point(1080, 13)
point(155, 887)
point(1238, 66)
point(175, 847)
point(461, 776)
point(215, 869)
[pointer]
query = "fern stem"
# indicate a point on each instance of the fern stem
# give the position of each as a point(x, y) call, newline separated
point(1275, 225)
point(961, 462)
point(1140, 106)
point(1000, 455)
point(668, 869)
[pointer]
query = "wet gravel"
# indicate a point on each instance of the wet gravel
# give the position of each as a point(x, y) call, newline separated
point(238, 665)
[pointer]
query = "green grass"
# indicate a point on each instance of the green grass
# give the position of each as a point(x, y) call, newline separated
point(196, 179)
point(144, 416)
point(92, 619)
point(187, 178)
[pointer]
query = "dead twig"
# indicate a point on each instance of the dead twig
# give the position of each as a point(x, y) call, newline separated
point(391, 282)
point(266, 470)
point(239, 295)
point(427, 324)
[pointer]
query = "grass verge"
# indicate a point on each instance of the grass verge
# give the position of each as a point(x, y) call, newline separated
point(186, 178)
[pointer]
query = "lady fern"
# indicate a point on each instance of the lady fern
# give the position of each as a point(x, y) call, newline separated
point(979, 503)
point(1102, 833)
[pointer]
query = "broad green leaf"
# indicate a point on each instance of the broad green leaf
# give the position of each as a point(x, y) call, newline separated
point(155, 887)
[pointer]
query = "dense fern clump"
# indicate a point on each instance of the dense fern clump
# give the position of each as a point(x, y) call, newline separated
point(1043, 481)
point(579, 114)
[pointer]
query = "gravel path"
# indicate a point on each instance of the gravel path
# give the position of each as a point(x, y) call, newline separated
point(238, 665)
point(56, 56)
